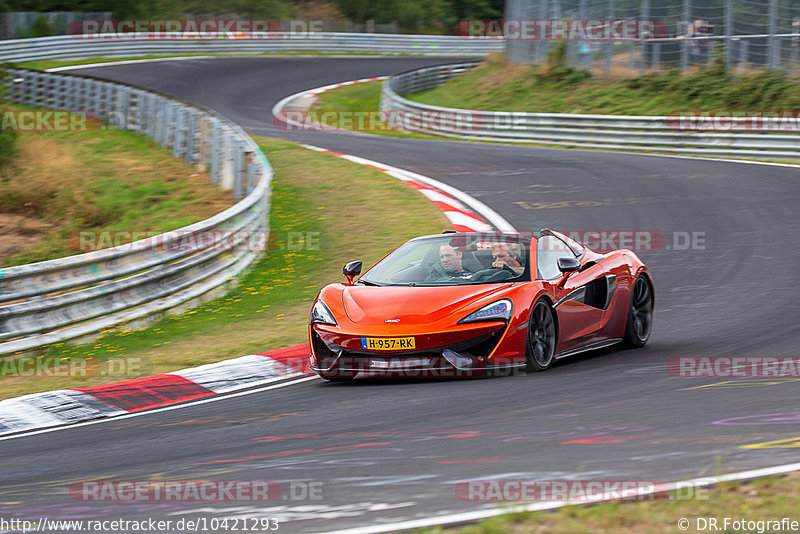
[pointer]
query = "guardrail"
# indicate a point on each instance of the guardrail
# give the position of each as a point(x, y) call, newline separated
point(72, 297)
point(139, 44)
point(621, 132)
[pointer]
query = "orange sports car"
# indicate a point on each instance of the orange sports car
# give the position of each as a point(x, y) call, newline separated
point(464, 304)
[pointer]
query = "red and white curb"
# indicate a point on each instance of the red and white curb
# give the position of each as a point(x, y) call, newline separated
point(278, 115)
point(463, 218)
point(318, 90)
point(68, 406)
point(466, 213)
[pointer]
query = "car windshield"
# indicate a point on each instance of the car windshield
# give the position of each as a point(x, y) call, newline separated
point(453, 259)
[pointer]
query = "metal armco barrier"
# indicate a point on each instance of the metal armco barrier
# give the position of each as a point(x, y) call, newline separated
point(77, 46)
point(621, 132)
point(68, 298)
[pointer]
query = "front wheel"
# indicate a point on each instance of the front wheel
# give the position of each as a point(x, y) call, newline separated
point(337, 375)
point(541, 345)
point(640, 313)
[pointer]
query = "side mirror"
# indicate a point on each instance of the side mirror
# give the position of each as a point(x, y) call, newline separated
point(351, 270)
point(567, 266)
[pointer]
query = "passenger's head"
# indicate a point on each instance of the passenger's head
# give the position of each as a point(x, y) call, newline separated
point(450, 259)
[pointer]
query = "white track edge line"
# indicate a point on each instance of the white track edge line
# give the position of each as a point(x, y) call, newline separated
point(124, 62)
point(213, 398)
point(483, 514)
point(494, 218)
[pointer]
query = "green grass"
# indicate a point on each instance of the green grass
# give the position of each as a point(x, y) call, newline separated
point(60, 183)
point(496, 85)
point(360, 101)
point(349, 211)
point(767, 498)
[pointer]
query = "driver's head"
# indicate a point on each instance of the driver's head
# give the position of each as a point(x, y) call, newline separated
point(450, 259)
point(507, 252)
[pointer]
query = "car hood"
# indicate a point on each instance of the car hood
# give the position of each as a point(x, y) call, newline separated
point(410, 305)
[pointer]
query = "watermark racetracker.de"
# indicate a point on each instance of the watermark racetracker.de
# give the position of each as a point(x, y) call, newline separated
point(562, 29)
point(734, 366)
point(192, 29)
point(58, 367)
point(181, 240)
point(196, 491)
point(522, 490)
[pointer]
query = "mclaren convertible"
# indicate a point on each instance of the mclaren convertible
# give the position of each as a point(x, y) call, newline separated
point(461, 304)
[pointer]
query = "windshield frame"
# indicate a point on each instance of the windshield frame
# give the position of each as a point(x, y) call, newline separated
point(470, 239)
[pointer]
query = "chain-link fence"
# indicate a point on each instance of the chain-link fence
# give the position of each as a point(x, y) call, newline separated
point(748, 34)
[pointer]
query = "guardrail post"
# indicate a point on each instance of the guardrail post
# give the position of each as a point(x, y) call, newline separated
point(203, 134)
point(49, 92)
point(179, 133)
point(226, 160)
point(152, 115)
point(215, 153)
point(169, 124)
point(60, 95)
point(125, 109)
point(251, 170)
point(191, 137)
point(94, 96)
point(72, 96)
point(102, 99)
point(33, 89)
point(238, 170)
point(161, 122)
point(83, 90)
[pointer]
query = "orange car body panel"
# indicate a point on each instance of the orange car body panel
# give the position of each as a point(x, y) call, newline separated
point(430, 314)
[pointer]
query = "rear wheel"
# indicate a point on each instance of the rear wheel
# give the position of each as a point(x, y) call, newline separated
point(640, 313)
point(541, 344)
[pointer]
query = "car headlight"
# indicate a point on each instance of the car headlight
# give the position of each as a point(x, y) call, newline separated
point(321, 314)
point(496, 311)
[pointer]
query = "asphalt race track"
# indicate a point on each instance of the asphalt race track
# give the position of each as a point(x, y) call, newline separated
point(391, 451)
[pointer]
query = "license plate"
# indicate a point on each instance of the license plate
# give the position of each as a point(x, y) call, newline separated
point(387, 343)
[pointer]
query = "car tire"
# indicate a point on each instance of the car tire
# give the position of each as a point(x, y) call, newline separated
point(640, 313)
point(335, 375)
point(541, 342)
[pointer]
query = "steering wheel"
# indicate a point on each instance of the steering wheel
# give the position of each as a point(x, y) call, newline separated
point(493, 274)
point(506, 267)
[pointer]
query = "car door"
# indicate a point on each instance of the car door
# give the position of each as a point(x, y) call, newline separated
point(579, 301)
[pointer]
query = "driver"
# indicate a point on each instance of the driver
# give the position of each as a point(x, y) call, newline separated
point(450, 263)
point(507, 255)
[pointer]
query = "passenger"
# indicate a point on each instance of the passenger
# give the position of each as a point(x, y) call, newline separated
point(449, 265)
